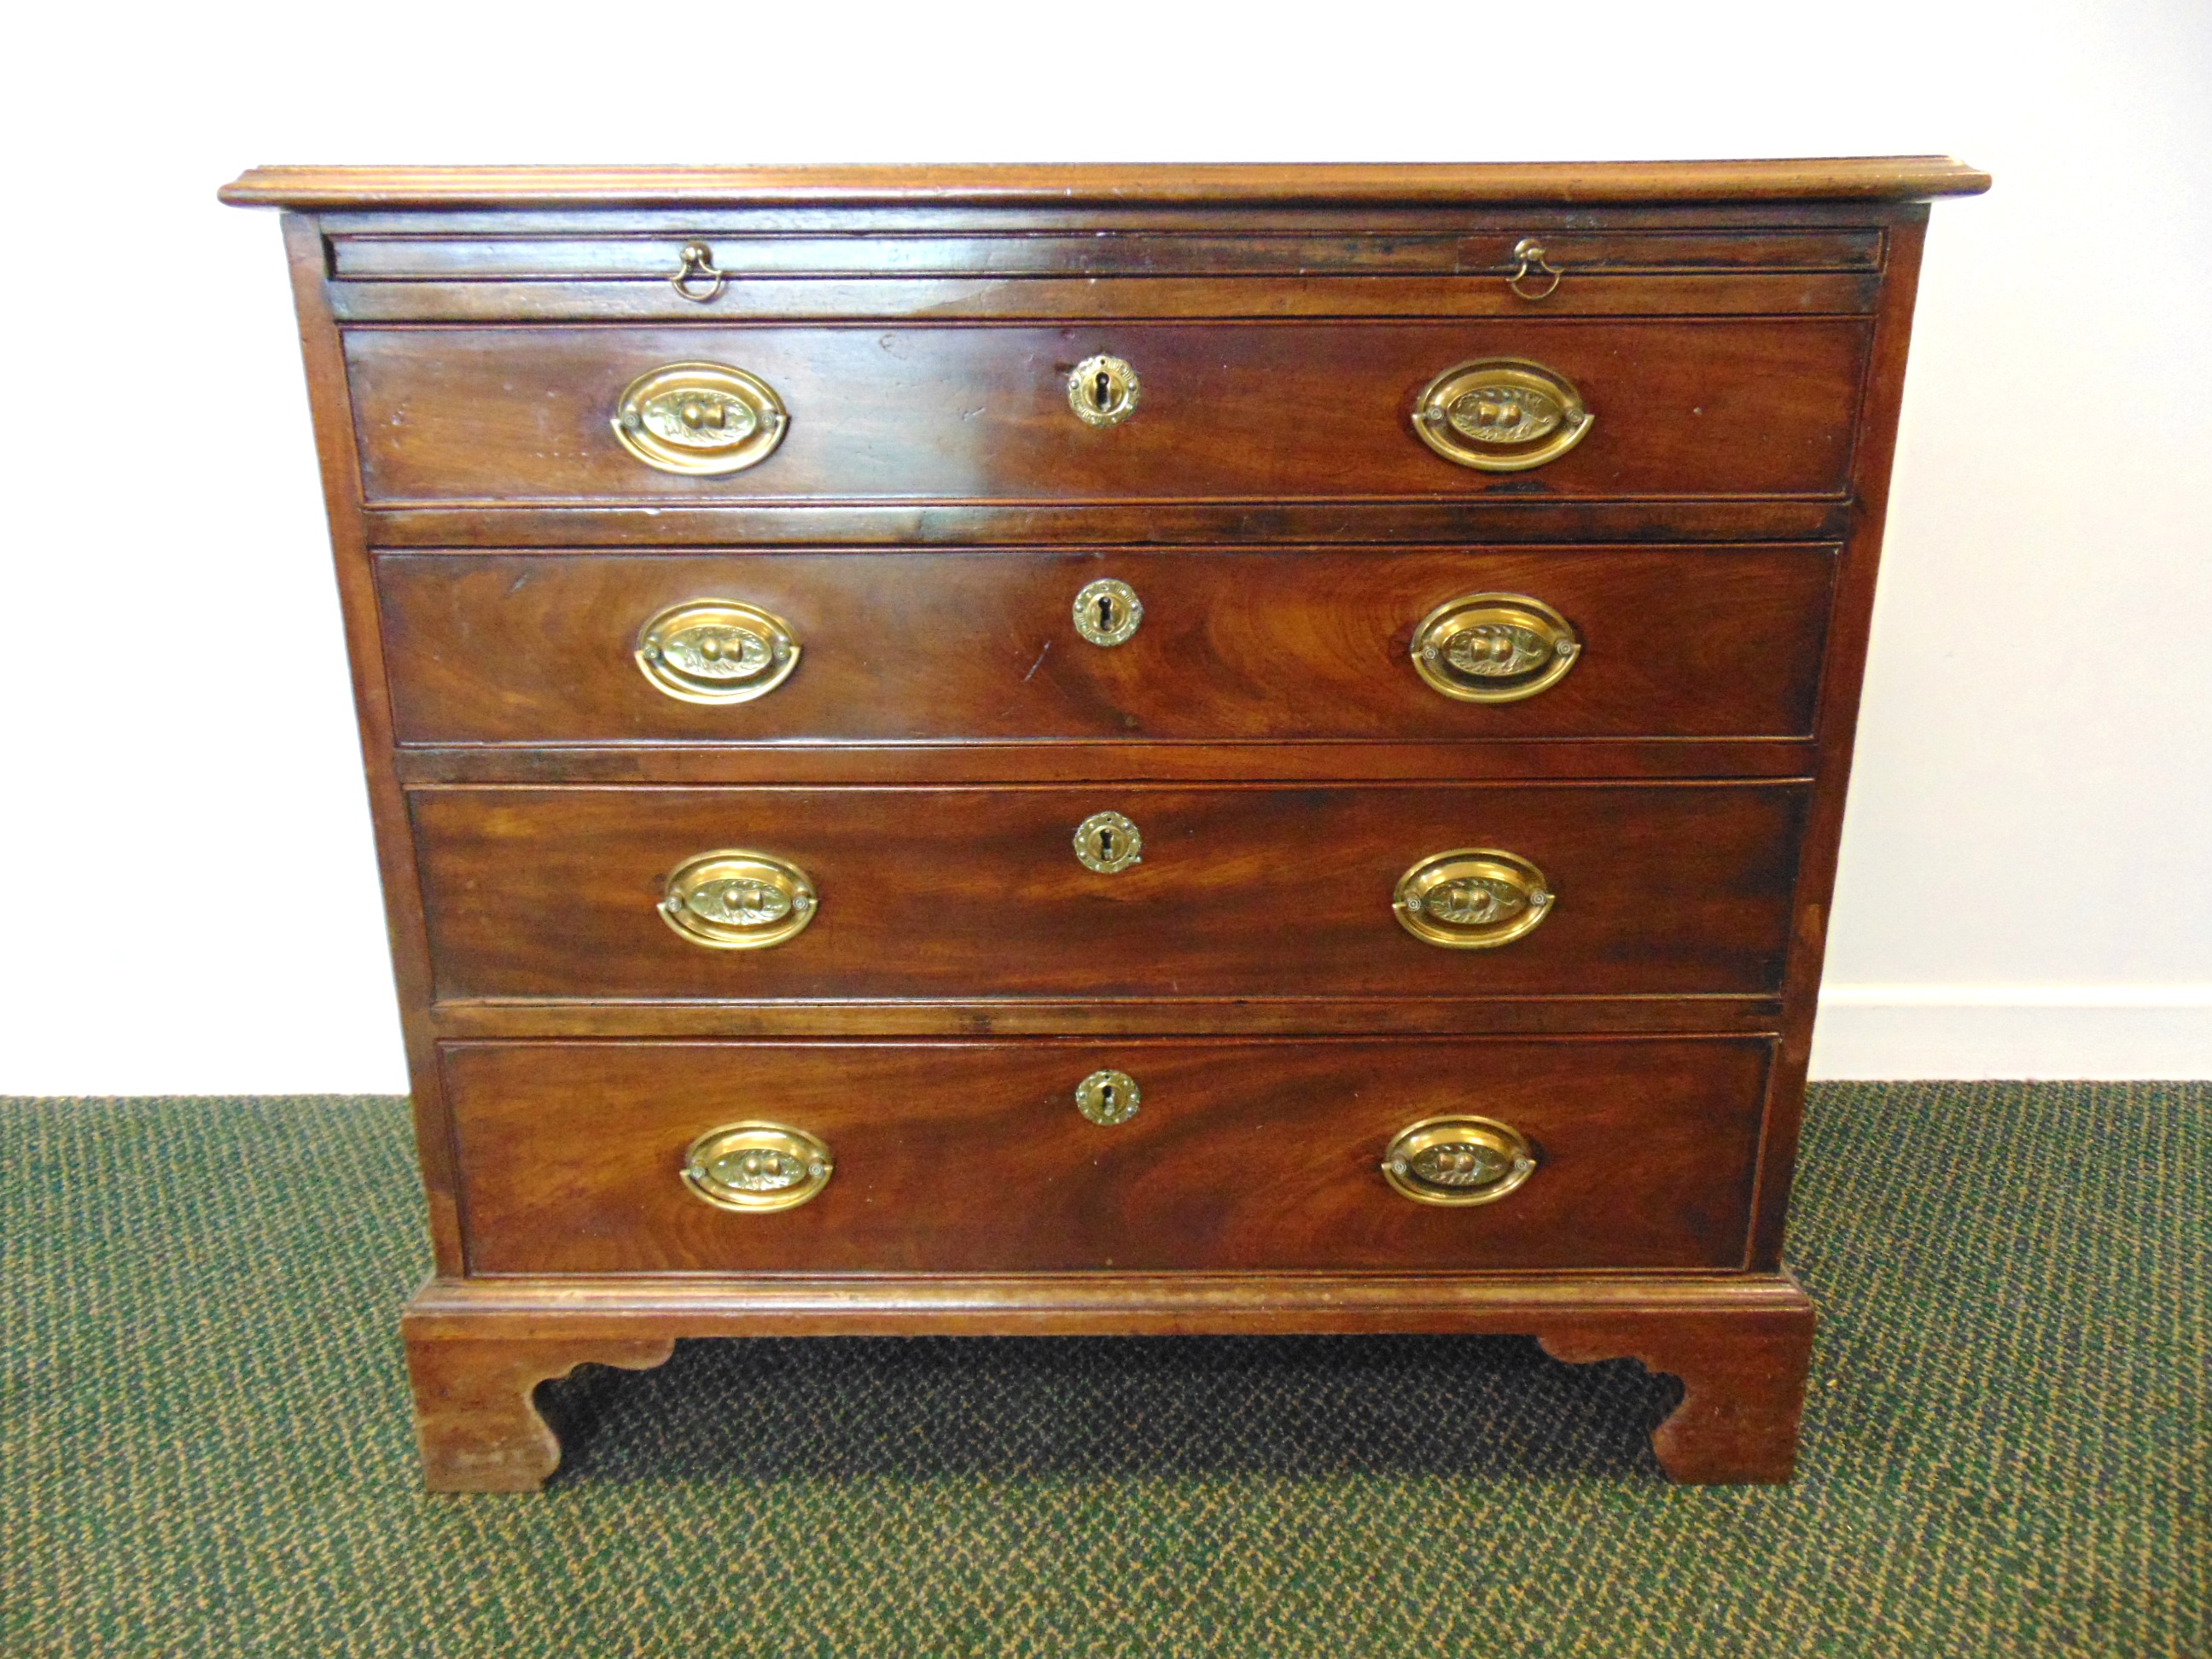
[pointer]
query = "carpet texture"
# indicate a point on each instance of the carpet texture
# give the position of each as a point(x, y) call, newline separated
point(204, 1444)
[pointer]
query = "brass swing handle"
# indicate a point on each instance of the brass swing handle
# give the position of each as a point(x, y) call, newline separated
point(1501, 415)
point(1458, 1160)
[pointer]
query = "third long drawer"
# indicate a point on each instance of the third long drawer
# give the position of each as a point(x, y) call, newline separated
point(1244, 890)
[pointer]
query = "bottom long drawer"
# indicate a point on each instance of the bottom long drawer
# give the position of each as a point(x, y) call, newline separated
point(601, 1157)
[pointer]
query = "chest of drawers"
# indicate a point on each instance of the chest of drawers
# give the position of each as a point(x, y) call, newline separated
point(1107, 749)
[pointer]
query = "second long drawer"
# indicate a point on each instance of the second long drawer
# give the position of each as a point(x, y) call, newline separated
point(1250, 891)
point(1213, 645)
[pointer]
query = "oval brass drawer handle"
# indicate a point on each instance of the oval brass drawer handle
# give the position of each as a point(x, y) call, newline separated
point(1473, 898)
point(716, 651)
point(734, 900)
point(757, 1168)
point(1494, 648)
point(1457, 1160)
point(1501, 415)
point(700, 419)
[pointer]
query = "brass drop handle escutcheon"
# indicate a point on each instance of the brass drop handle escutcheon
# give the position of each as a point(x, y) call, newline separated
point(1473, 898)
point(1457, 1160)
point(715, 651)
point(695, 262)
point(735, 900)
point(700, 419)
point(1530, 252)
point(757, 1168)
point(1494, 648)
point(1102, 390)
point(1501, 415)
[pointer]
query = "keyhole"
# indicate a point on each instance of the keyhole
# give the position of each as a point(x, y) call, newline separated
point(1101, 389)
point(1105, 613)
point(1106, 1095)
point(1105, 847)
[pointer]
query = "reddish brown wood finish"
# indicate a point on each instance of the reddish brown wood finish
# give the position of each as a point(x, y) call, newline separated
point(1282, 410)
point(971, 1157)
point(1813, 179)
point(1738, 328)
point(1740, 1342)
point(537, 649)
point(959, 893)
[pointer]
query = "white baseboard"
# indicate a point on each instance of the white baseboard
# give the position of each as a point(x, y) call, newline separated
point(2014, 1031)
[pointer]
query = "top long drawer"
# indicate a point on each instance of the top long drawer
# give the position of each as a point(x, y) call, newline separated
point(1558, 409)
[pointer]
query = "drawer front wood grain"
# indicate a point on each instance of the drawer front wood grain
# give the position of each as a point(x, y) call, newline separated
point(1252, 890)
point(959, 1156)
point(978, 413)
point(537, 648)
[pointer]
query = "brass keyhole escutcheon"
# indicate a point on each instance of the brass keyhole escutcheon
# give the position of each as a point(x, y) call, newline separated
point(700, 419)
point(1494, 648)
point(1473, 898)
point(1107, 611)
point(1457, 1160)
point(1501, 415)
point(735, 900)
point(1109, 1097)
point(757, 1168)
point(1108, 843)
point(715, 651)
point(1102, 390)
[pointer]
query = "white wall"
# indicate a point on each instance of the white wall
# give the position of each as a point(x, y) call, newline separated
point(189, 897)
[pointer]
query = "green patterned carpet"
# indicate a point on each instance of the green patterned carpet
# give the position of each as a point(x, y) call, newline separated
point(204, 1444)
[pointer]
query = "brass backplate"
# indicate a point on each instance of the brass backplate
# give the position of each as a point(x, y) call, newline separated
point(1494, 648)
point(1107, 611)
point(1501, 415)
point(757, 1168)
point(1472, 898)
point(1457, 1160)
point(700, 418)
point(1109, 1097)
point(735, 900)
point(1102, 390)
point(714, 651)
point(1108, 843)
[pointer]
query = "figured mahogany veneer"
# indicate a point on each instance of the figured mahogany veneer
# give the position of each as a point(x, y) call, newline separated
point(980, 413)
point(536, 648)
point(971, 1157)
point(1266, 890)
point(1738, 330)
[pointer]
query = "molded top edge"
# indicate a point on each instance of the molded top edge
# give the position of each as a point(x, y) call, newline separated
point(1893, 178)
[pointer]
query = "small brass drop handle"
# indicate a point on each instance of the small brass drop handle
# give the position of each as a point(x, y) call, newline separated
point(735, 900)
point(1530, 252)
point(1494, 648)
point(697, 260)
point(757, 1168)
point(1458, 1160)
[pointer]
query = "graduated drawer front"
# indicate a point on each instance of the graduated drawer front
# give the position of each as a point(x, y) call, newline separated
point(539, 648)
point(1258, 889)
point(961, 1156)
point(1682, 408)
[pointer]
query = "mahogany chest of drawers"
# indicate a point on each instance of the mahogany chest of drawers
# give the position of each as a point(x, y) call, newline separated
point(1109, 749)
